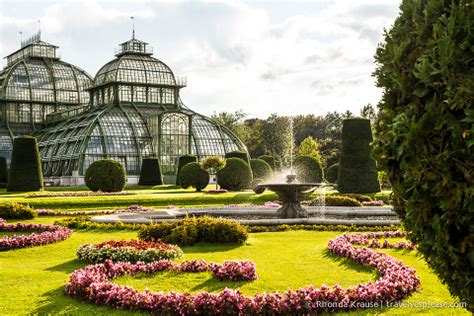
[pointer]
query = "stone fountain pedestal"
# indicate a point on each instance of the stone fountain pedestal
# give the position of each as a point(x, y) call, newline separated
point(291, 195)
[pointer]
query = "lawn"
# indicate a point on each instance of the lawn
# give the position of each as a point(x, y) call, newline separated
point(33, 279)
point(158, 197)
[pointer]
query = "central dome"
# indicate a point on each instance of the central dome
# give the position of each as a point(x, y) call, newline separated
point(135, 112)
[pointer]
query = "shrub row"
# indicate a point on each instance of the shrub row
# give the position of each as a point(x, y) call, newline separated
point(188, 231)
point(85, 223)
point(337, 200)
point(16, 211)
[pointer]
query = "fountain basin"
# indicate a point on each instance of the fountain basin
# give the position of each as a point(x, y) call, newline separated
point(291, 195)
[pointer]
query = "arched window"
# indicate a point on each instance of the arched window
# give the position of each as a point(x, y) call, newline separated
point(174, 140)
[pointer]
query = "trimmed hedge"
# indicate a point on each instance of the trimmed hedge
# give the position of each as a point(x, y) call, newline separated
point(191, 230)
point(235, 176)
point(425, 133)
point(260, 168)
point(105, 175)
point(85, 223)
point(337, 200)
point(308, 169)
point(273, 161)
point(358, 197)
point(332, 173)
point(25, 168)
point(193, 175)
point(150, 173)
point(357, 168)
point(238, 154)
point(16, 211)
point(184, 160)
point(3, 170)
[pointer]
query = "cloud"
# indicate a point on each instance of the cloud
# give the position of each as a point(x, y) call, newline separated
point(262, 57)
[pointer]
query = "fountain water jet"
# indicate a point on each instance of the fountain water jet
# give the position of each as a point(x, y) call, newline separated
point(291, 192)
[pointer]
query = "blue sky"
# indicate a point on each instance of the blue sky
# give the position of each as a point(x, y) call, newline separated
point(285, 57)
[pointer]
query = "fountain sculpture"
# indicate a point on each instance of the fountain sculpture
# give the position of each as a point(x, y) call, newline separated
point(291, 192)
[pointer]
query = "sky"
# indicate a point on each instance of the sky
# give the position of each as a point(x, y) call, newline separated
point(262, 57)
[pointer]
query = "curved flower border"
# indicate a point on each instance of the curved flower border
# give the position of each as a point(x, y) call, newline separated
point(397, 281)
point(50, 234)
point(130, 251)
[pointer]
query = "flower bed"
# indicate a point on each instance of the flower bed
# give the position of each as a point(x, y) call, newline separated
point(50, 234)
point(78, 194)
point(397, 281)
point(131, 251)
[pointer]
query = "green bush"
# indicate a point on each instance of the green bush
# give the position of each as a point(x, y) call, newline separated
point(235, 176)
point(238, 154)
point(332, 173)
point(384, 181)
point(150, 173)
point(193, 175)
point(358, 197)
point(25, 167)
point(337, 200)
point(189, 231)
point(184, 160)
point(105, 175)
point(3, 170)
point(357, 169)
point(308, 169)
point(425, 133)
point(260, 168)
point(16, 211)
point(273, 161)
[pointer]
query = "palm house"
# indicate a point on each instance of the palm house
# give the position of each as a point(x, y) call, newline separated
point(131, 110)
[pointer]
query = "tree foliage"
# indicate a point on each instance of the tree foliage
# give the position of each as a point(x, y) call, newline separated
point(426, 135)
point(309, 147)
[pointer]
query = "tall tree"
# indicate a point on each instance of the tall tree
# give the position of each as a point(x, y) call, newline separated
point(309, 147)
point(368, 112)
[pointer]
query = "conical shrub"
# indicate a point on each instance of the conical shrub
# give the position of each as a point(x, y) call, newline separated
point(150, 173)
point(25, 168)
point(357, 168)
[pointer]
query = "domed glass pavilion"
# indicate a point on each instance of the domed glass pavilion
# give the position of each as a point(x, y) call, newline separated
point(135, 112)
point(34, 84)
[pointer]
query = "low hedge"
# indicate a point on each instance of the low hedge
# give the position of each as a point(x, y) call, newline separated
point(358, 197)
point(16, 211)
point(337, 200)
point(191, 230)
point(85, 223)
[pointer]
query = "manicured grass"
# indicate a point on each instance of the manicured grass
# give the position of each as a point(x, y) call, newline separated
point(157, 197)
point(32, 280)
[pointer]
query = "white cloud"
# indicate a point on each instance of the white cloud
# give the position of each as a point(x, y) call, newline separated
point(235, 54)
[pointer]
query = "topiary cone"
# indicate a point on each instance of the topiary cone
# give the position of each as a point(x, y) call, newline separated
point(25, 168)
point(357, 169)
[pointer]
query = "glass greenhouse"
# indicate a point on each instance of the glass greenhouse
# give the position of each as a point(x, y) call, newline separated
point(34, 84)
point(130, 111)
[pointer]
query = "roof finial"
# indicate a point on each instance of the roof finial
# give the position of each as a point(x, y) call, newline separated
point(21, 37)
point(39, 29)
point(133, 26)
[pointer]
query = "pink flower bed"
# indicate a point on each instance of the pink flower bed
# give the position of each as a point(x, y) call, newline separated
point(2, 221)
point(50, 234)
point(397, 281)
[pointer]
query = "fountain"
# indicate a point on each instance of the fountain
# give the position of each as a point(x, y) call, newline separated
point(291, 192)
